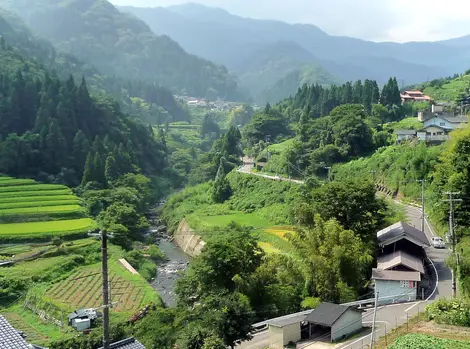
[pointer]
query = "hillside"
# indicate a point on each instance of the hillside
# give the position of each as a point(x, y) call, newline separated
point(197, 28)
point(120, 44)
point(448, 89)
point(288, 85)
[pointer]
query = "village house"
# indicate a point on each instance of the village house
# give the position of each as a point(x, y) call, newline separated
point(414, 96)
point(400, 266)
point(129, 343)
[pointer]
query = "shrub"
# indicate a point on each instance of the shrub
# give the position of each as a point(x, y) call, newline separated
point(449, 312)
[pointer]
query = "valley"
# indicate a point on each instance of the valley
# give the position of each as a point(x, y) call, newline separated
point(183, 177)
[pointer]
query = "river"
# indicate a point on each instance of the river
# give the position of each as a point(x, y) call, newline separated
point(170, 271)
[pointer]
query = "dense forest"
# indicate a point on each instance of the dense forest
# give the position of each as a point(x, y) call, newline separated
point(121, 45)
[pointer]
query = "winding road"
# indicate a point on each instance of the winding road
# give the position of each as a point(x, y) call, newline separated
point(389, 316)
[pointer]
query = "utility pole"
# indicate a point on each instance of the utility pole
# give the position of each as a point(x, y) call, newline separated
point(423, 181)
point(451, 200)
point(372, 335)
point(104, 271)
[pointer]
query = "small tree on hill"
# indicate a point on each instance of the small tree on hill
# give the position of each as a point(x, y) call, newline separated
point(221, 189)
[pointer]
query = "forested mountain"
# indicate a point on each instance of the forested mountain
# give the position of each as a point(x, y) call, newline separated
point(272, 64)
point(202, 30)
point(51, 128)
point(308, 74)
point(119, 44)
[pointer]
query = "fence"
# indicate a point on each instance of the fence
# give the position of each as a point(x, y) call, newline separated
point(391, 324)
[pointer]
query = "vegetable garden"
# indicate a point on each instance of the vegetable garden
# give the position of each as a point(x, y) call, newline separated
point(83, 289)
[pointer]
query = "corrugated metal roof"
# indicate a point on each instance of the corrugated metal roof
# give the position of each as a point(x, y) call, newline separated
point(400, 229)
point(326, 314)
point(285, 320)
point(10, 338)
point(393, 275)
point(394, 259)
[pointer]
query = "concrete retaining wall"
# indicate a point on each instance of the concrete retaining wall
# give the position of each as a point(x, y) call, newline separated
point(187, 239)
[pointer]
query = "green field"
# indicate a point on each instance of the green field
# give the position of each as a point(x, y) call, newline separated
point(280, 147)
point(29, 203)
point(39, 228)
point(421, 341)
point(449, 91)
point(39, 211)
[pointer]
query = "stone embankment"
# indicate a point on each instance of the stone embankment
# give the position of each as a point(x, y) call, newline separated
point(187, 239)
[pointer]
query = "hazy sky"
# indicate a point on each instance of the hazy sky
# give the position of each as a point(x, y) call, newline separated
point(378, 20)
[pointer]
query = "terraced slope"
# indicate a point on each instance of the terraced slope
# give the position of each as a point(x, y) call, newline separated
point(33, 211)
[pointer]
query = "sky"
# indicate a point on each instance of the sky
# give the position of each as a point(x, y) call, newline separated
point(376, 20)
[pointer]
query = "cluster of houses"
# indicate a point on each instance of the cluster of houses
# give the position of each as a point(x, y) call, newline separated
point(218, 105)
point(437, 126)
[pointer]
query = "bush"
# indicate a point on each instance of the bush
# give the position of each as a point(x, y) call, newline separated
point(449, 312)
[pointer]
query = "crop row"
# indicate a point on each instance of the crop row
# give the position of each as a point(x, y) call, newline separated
point(38, 228)
point(40, 210)
point(31, 193)
point(32, 187)
point(14, 181)
point(38, 198)
point(11, 205)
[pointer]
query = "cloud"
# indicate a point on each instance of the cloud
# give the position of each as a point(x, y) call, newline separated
point(378, 20)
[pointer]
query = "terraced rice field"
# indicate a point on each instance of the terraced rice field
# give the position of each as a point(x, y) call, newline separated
point(83, 289)
point(39, 211)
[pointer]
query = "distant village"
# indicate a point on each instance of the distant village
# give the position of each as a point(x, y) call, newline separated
point(218, 105)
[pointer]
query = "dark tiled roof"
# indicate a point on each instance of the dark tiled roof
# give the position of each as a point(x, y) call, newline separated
point(326, 314)
point(10, 338)
point(457, 119)
point(129, 343)
point(401, 230)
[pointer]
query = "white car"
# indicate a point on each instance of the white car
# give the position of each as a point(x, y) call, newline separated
point(437, 242)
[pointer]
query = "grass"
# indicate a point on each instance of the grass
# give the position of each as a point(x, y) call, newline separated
point(280, 147)
point(30, 193)
point(41, 210)
point(449, 91)
point(421, 341)
point(411, 123)
point(51, 227)
point(39, 198)
point(268, 248)
point(246, 219)
point(33, 203)
point(32, 187)
point(13, 181)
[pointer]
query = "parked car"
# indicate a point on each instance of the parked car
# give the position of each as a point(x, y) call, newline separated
point(437, 242)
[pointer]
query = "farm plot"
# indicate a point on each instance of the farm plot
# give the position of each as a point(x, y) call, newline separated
point(52, 227)
point(83, 290)
point(30, 210)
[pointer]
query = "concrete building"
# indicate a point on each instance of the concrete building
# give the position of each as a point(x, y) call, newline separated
point(396, 286)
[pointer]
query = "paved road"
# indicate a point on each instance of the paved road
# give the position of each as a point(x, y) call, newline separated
point(390, 316)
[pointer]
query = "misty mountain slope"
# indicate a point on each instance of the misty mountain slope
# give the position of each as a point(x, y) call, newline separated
point(349, 57)
point(122, 45)
point(289, 84)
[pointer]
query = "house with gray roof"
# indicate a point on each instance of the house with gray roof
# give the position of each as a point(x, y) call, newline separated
point(328, 322)
point(400, 267)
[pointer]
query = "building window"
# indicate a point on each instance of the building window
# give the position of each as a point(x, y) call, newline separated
point(408, 284)
point(443, 123)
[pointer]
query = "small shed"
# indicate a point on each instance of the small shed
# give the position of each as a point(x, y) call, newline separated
point(403, 135)
point(82, 319)
point(285, 329)
point(335, 320)
point(396, 286)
